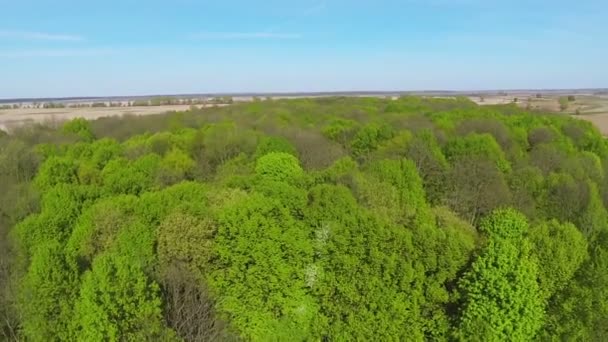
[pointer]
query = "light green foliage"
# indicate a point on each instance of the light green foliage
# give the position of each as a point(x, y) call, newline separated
point(369, 137)
point(47, 295)
point(580, 311)
point(136, 177)
point(477, 145)
point(340, 169)
point(396, 147)
point(118, 302)
point(61, 206)
point(341, 130)
point(274, 144)
point(263, 256)
point(382, 198)
point(290, 196)
point(591, 164)
point(279, 166)
point(98, 226)
point(560, 250)
point(360, 305)
point(80, 127)
point(56, 170)
point(235, 171)
point(189, 197)
point(204, 221)
point(501, 295)
point(175, 166)
point(104, 150)
point(403, 177)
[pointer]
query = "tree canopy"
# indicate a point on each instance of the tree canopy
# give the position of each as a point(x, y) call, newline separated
point(321, 219)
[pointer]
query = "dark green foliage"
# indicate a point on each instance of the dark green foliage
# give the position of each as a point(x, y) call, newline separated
point(321, 219)
point(475, 187)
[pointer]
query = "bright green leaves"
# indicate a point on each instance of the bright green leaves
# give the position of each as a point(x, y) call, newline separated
point(279, 166)
point(175, 167)
point(477, 145)
point(579, 312)
point(505, 224)
point(118, 302)
point(560, 250)
point(263, 256)
point(361, 304)
point(123, 177)
point(47, 295)
point(79, 127)
point(56, 170)
point(369, 137)
point(274, 144)
point(400, 240)
point(501, 297)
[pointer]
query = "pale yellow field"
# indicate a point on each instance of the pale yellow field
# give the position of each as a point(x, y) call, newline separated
point(15, 117)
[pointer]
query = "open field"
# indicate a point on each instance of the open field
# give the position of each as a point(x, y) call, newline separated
point(587, 106)
point(15, 117)
point(590, 107)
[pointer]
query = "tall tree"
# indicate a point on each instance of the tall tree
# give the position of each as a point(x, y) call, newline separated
point(501, 297)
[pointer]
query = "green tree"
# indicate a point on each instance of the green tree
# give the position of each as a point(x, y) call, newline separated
point(274, 144)
point(476, 187)
point(80, 127)
point(501, 297)
point(365, 304)
point(579, 312)
point(118, 302)
point(560, 250)
point(263, 254)
point(477, 145)
point(185, 240)
point(279, 166)
point(47, 294)
point(56, 170)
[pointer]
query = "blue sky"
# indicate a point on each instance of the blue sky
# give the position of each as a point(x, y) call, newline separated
point(99, 48)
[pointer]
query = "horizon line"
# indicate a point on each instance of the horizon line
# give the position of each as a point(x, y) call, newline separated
point(471, 92)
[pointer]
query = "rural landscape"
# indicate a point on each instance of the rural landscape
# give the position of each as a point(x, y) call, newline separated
point(304, 171)
point(328, 218)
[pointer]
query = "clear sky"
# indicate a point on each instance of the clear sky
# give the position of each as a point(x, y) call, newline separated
point(51, 48)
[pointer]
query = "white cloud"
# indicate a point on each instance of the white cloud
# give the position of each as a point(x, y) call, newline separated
point(244, 35)
point(29, 35)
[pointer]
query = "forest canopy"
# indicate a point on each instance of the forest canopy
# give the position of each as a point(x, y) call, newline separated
point(331, 219)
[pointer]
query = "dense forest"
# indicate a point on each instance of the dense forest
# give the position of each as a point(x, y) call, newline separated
point(329, 219)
